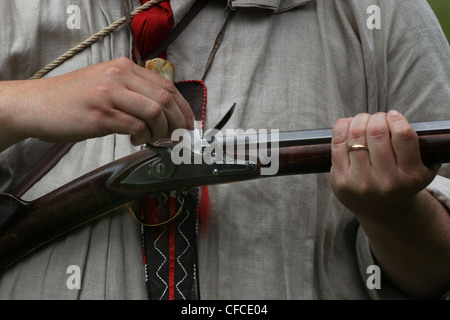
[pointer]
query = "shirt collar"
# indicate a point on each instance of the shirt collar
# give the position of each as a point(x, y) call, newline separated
point(276, 5)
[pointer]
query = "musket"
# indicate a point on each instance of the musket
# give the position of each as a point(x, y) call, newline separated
point(27, 225)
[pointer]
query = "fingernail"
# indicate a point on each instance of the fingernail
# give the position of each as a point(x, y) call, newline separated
point(393, 113)
point(196, 125)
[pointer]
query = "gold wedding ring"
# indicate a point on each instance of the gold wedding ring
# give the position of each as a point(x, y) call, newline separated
point(354, 147)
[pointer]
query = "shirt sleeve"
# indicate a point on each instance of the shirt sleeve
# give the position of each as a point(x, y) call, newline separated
point(410, 63)
point(439, 188)
point(386, 291)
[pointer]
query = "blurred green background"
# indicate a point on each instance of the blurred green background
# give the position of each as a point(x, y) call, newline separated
point(442, 11)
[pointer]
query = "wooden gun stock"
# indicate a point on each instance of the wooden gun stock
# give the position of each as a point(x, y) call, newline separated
point(435, 149)
point(25, 226)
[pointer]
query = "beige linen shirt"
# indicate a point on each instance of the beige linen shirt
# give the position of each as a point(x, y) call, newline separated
point(289, 65)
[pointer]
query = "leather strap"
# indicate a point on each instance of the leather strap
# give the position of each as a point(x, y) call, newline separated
point(42, 168)
point(170, 250)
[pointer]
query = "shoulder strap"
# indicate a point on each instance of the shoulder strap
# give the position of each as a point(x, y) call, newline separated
point(43, 166)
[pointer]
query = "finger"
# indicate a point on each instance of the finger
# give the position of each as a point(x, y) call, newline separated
point(120, 122)
point(405, 141)
point(153, 104)
point(186, 111)
point(379, 143)
point(146, 110)
point(339, 146)
point(359, 159)
point(180, 102)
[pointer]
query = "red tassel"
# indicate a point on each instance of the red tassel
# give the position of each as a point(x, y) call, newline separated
point(204, 212)
point(151, 27)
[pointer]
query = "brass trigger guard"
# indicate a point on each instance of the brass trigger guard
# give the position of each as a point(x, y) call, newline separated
point(130, 207)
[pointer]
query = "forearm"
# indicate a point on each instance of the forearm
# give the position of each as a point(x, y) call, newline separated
point(112, 97)
point(11, 131)
point(411, 243)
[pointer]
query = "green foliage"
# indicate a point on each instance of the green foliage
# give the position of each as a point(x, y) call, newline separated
point(442, 11)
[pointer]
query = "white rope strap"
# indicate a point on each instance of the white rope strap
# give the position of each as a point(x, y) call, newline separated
point(92, 39)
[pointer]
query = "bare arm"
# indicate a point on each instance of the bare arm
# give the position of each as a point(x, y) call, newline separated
point(112, 97)
point(408, 229)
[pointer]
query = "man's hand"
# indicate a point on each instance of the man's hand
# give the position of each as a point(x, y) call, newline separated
point(384, 186)
point(389, 172)
point(111, 97)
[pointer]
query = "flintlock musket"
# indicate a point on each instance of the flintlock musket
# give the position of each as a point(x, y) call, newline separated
point(27, 225)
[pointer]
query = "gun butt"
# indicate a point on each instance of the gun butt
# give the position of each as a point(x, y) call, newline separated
point(10, 209)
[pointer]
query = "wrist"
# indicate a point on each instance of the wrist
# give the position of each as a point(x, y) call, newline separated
point(411, 245)
point(11, 129)
point(392, 215)
point(406, 219)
